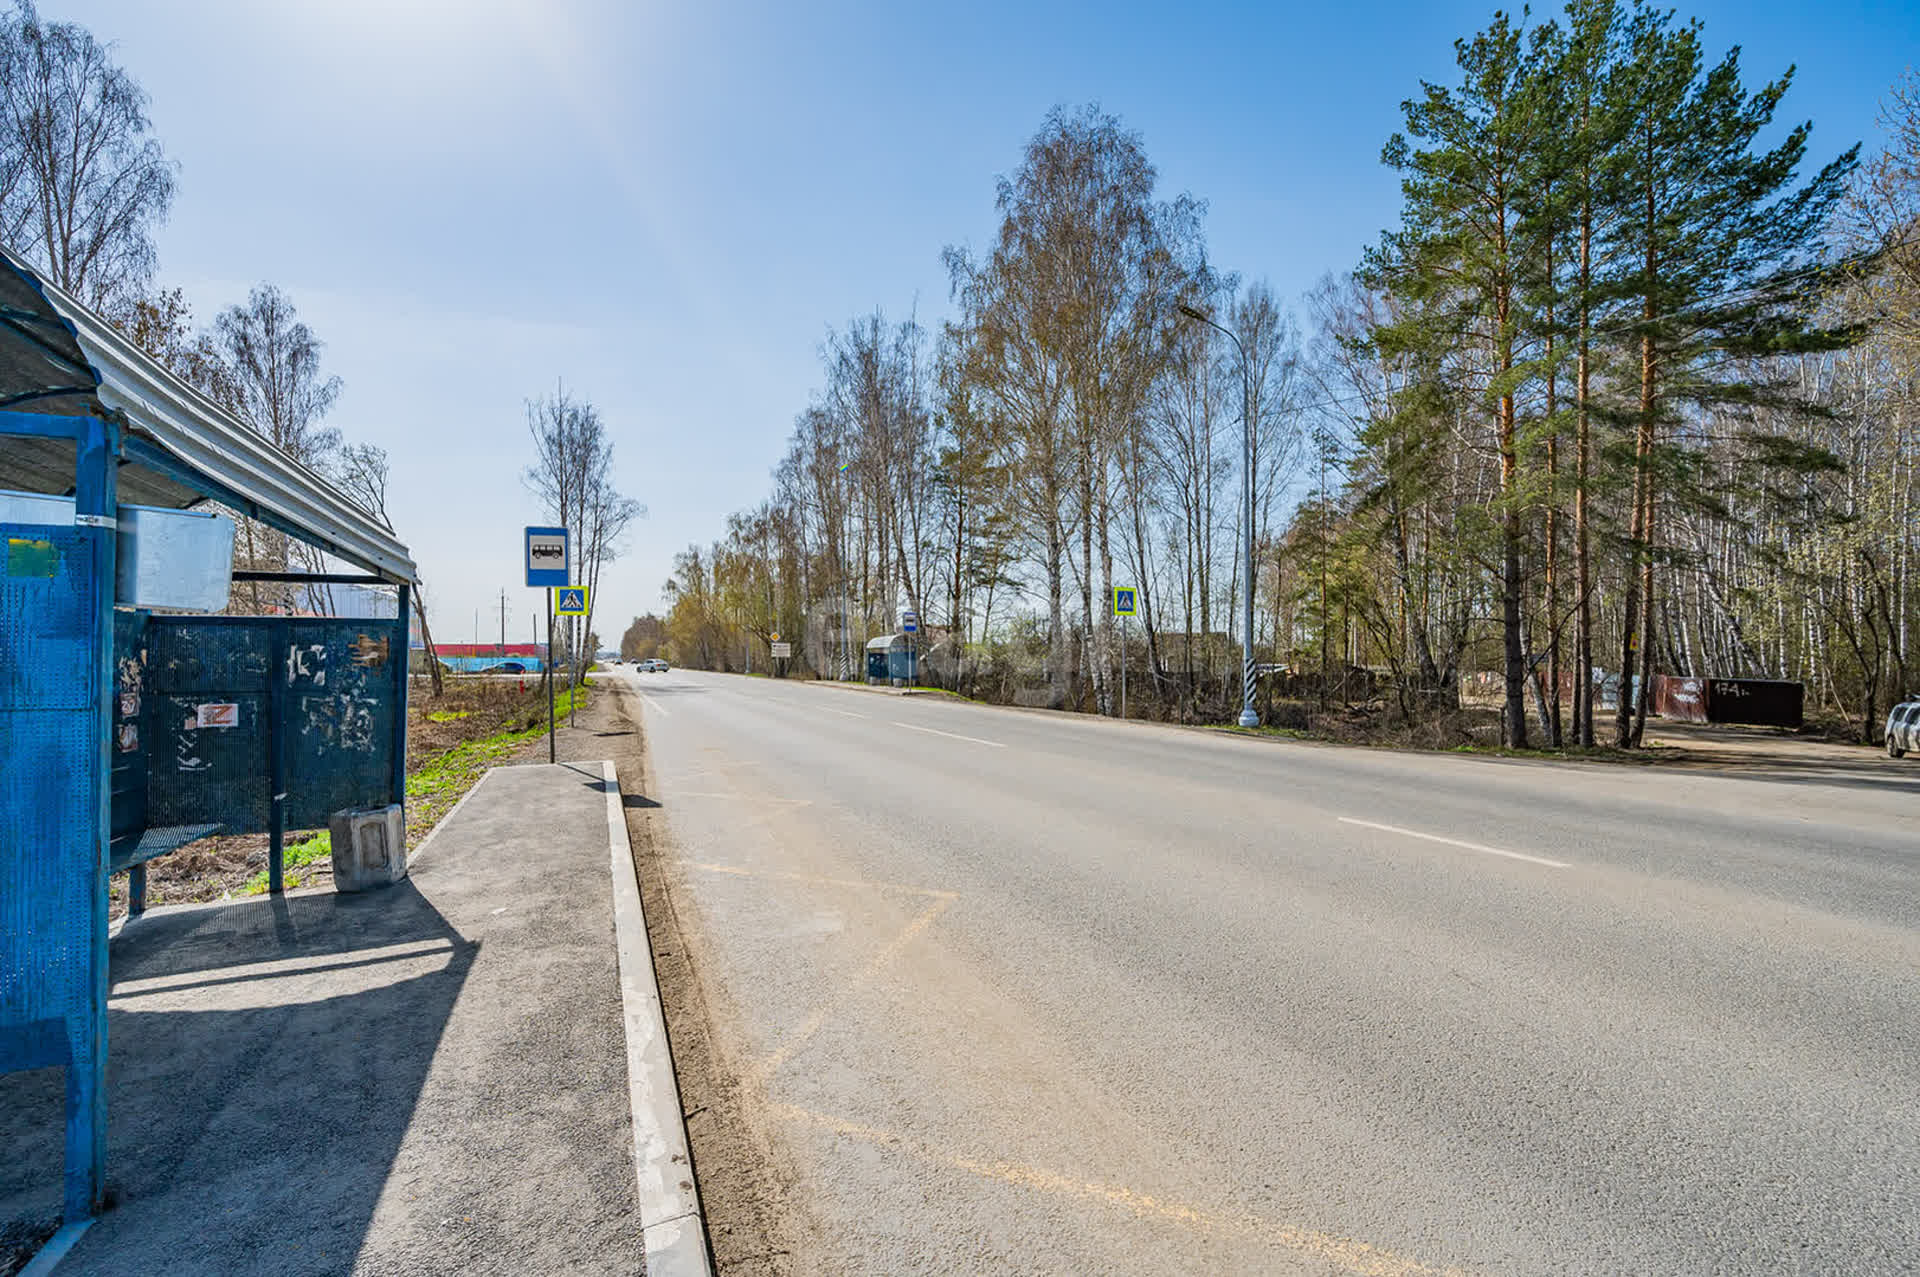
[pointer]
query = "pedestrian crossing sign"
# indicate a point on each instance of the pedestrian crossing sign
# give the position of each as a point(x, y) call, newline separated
point(1125, 601)
point(570, 600)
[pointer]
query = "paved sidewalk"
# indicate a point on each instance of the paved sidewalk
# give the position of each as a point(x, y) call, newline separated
point(427, 1079)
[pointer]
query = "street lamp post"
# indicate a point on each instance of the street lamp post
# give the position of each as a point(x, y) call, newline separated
point(1248, 716)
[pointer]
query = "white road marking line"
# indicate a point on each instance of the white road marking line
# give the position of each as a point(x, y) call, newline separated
point(1455, 842)
point(653, 704)
point(844, 713)
point(934, 731)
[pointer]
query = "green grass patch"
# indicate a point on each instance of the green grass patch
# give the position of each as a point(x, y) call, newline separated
point(297, 855)
point(435, 787)
point(448, 715)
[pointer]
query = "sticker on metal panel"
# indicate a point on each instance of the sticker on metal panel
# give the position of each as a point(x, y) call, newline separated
point(27, 557)
point(106, 521)
point(129, 737)
point(217, 714)
point(370, 653)
point(129, 704)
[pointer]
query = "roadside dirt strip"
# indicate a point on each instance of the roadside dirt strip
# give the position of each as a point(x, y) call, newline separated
point(751, 1225)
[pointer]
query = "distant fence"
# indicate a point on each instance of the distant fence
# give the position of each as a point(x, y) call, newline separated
point(493, 664)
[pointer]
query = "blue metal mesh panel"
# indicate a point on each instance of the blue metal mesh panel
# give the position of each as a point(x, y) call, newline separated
point(210, 654)
point(131, 701)
point(339, 727)
point(332, 685)
point(208, 773)
point(47, 757)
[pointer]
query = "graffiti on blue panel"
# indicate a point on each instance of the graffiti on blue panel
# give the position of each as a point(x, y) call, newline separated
point(345, 721)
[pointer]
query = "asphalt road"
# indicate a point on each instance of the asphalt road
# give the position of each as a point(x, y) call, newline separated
point(1021, 992)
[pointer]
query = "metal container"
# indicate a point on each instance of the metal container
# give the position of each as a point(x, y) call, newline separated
point(1764, 702)
point(165, 558)
point(1681, 699)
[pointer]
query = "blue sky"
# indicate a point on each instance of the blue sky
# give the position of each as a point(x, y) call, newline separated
point(667, 205)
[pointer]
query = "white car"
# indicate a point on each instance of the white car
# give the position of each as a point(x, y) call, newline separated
point(1903, 728)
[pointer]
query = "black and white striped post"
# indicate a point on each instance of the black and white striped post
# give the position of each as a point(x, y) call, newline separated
point(1249, 717)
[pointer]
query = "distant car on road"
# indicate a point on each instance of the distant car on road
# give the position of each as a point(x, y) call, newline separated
point(1903, 728)
point(653, 667)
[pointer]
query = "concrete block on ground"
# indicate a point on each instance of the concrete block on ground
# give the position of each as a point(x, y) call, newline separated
point(369, 847)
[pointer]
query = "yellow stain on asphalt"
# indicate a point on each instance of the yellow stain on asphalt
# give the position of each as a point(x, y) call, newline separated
point(816, 880)
point(875, 965)
point(1358, 1257)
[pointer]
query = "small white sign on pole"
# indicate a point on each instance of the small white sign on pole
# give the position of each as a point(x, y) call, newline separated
point(781, 651)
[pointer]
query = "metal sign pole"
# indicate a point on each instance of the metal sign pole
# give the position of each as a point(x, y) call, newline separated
point(1123, 667)
point(549, 594)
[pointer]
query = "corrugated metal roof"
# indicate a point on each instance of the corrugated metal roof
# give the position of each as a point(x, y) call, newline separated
point(55, 355)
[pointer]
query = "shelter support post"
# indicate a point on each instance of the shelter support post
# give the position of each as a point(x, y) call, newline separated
point(96, 506)
point(402, 660)
point(277, 763)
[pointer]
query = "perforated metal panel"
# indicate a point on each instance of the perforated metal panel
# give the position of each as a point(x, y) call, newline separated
point(131, 701)
point(339, 716)
point(322, 693)
point(205, 763)
point(48, 742)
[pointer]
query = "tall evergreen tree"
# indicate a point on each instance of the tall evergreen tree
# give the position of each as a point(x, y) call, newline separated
point(1459, 256)
point(1719, 249)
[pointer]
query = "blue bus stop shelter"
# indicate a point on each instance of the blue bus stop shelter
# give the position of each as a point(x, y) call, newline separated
point(125, 732)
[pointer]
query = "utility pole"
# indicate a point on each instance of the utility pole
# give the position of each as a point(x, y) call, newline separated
point(503, 623)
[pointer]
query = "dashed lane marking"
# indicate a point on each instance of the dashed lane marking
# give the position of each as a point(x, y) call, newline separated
point(1455, 842)
point(934, 731)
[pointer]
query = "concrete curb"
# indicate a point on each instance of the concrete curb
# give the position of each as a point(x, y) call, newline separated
point(868, 688)
point(48, 1257)
point(671, 1227)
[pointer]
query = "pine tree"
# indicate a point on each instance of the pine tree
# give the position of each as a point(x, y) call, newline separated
point(1459, 256)
point(1719, 251)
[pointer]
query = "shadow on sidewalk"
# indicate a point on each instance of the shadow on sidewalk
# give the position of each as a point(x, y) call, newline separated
point(267, 1058)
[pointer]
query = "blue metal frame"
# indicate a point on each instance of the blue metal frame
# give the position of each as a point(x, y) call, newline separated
point(100, 447)
point(43, 425)
point(96, 507)
point(402, 648)
point(96, 491)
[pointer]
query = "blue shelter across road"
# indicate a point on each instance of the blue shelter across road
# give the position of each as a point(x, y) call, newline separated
point(125, 731)
point(891, 659)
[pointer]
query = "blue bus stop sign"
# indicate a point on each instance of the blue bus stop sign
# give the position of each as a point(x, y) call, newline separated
point(909, 622)
point(546, 557)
